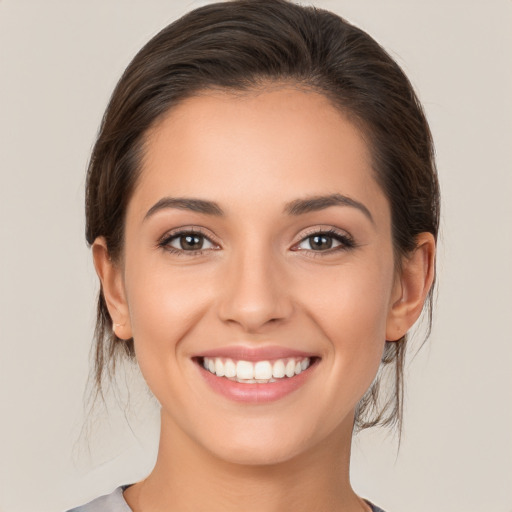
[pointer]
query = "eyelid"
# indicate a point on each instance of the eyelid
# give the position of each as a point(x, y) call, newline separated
point(346, 241)
point(177, 238)
point(165, 239)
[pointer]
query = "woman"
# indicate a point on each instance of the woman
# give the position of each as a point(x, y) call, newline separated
point(263, 208)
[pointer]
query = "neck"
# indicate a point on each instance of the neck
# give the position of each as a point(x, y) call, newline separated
point(187, 477)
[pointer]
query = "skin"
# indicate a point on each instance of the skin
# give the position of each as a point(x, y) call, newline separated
point(258, 282)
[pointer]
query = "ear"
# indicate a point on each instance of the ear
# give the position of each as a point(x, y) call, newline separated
point(112, 285)
point(411, 287)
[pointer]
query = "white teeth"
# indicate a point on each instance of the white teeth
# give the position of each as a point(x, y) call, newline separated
point(219, 368)
point(278, 370)
point(290, 368)
point(229, 368)
point(258, 372)
point(244, 370)
point(262, 370)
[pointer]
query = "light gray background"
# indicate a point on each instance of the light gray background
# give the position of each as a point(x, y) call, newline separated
point(59, 61)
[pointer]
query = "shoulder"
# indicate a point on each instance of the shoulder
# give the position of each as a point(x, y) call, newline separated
point(113, 502)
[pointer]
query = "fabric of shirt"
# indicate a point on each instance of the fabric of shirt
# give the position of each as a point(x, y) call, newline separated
point(115, 502)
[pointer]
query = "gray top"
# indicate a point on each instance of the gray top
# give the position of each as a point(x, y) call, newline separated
point(115, 502)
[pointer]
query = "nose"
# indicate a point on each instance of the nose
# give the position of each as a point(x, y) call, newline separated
point(254, 294)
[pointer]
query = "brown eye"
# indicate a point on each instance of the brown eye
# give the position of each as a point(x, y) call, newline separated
point(188, 242)
point(191, 242)
point(325, 242)
point(320, 242)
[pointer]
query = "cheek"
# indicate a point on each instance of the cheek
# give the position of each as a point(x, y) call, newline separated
point(354, 299)
point(352, 312)
point(165, 304)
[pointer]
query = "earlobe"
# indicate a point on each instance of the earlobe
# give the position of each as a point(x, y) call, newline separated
point(112, 285)
point(412, 287)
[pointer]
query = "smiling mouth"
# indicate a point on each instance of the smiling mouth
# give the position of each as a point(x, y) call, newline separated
point(256, 372)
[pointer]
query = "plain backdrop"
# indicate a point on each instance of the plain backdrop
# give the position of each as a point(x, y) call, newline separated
point(59, 61)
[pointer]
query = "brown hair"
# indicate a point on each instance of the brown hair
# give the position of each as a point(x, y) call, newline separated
point(242, 45)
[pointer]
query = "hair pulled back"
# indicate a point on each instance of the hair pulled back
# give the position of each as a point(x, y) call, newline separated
point(247, 44)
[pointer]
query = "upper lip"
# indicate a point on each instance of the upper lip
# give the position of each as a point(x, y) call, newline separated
point(245, 353)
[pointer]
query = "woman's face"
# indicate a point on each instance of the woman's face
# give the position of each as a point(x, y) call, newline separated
point(258, 244)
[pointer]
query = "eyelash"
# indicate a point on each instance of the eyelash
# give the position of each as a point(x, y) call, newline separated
point(165, 241)
point(346, 242)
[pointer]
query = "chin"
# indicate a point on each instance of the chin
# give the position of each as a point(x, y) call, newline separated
point(266, 454)
point(261, 443)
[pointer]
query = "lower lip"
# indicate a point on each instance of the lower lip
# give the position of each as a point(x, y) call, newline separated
point(256, 393)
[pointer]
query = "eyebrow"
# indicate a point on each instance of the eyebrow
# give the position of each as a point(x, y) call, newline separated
point(317, 203)
point(194, 205)
point(296, 207)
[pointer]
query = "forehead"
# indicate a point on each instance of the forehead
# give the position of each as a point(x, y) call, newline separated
point(261, 146)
